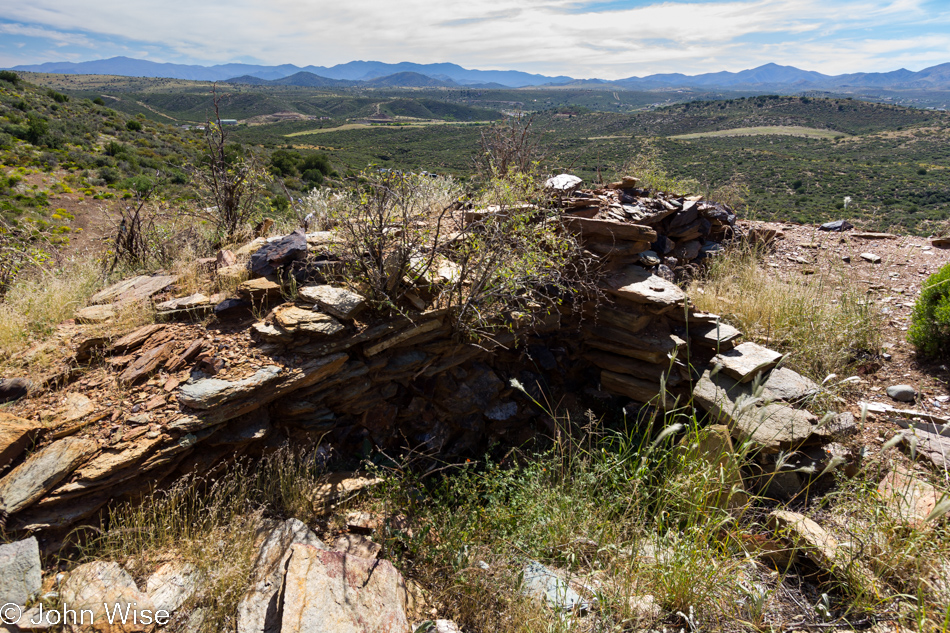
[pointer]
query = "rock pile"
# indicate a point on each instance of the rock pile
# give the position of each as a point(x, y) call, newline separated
point(313, 367)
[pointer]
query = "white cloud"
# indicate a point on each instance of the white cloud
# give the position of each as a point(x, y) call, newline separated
point(549, 36)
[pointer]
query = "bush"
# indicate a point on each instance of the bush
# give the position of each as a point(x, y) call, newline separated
point(133, 126)
point(99, 101)
point(930, 321)
point(10, 76)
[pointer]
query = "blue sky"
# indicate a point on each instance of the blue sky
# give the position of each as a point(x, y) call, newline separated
point(610, 39)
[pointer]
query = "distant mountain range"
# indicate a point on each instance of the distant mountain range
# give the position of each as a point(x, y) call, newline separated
point(407, 74)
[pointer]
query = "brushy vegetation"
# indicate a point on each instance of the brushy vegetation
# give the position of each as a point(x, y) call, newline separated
point(930, 322)
point(824, 325)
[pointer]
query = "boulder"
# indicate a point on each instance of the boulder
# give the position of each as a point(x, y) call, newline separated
point(96, 590)
point(95, 314)
point(562, 182)
point(14, 388)
point(20, 571)
point(331, 592)
point(273, 256)
point(746, 361)
point(259, 609)
point(837, 226)
point(29, 481)
point(293, 319)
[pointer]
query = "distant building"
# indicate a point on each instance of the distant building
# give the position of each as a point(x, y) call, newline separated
point(228, 121)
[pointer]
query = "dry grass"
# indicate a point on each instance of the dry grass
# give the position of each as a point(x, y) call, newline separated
point(37, 302)
point(821, 321)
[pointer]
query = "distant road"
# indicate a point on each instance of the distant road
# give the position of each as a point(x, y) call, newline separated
point(781, 130)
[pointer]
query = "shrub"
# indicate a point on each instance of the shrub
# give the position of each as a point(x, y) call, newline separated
point(133, 126)
point(99, 101)
point(10, 76)
point(930, 322)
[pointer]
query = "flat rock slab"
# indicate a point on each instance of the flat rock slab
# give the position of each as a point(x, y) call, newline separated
point(209, 392)
point(717, 336)
point(95, 314)
point(42, 470)
point(20, 571)
point(930, 446)
point(146, 364)
point(750, 415)
point(638, 284)
point(909, 499)
point(608, 228)
point(184, 303)
point(868, 235)
point(331, 592)
point(638, 389)
point(15, 435)
point(789, 385)
point(746, 361)
point(259, 287)
point(871, 257)
point(292, 319)
point(340, 302)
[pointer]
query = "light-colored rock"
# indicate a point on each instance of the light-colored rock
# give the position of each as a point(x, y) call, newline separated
point(902, 393)
point(259, 609)
point(20, 571)
point(357, 545)
point(549, 587)
point(340, 302)
point(786, 384)
point(716, 336)
point(272, 333)
point(871, 257)
point(401, 337)
point(251, 247)
point(751, 416)
point(562, 182)
point(15, 436)
point(93, 588)
point(95, 314)
point(330, 592)
point(908, 498)
point(190, 302)
point(29, 481)
point(644, 608)
point(259, 288)
point(807, 537)
point(172, 585)
point(638, 284)
point(608, 228)
point(75, 407)
point(334, 486)
point(746, 361)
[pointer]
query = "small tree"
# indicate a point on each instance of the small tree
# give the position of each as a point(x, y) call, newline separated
point(508, 147)
point(229, 179)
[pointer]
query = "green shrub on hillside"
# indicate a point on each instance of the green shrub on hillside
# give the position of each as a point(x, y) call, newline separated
point(930, 322)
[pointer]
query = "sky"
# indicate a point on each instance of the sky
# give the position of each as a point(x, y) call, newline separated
point(608, 39)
